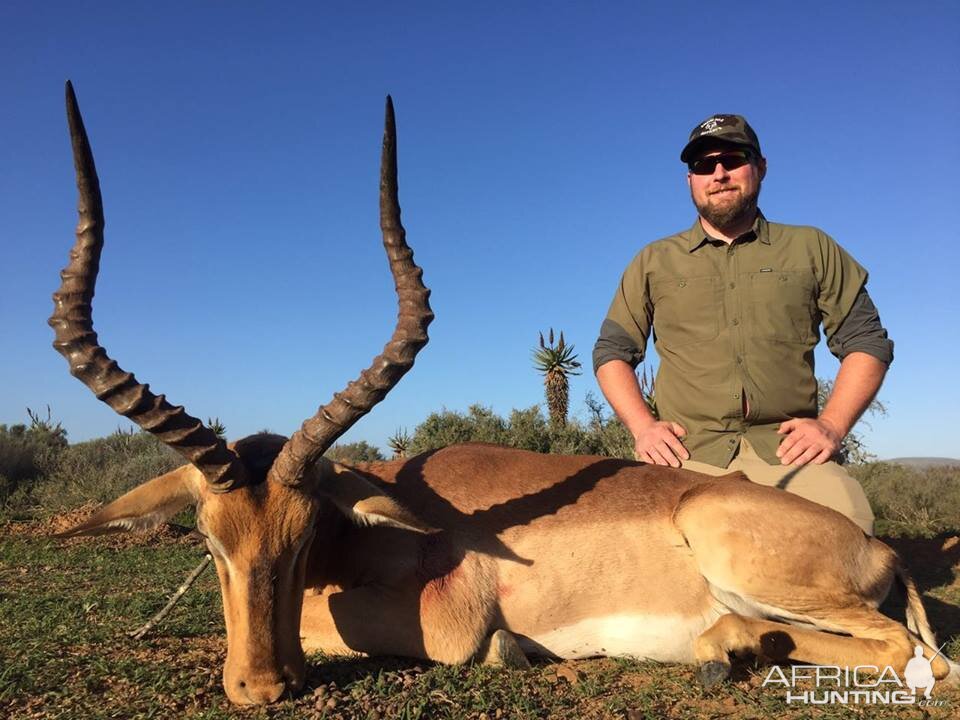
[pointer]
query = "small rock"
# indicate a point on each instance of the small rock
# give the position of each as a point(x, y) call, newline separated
point(320, 691)
point(950, 543)
point(330, 704)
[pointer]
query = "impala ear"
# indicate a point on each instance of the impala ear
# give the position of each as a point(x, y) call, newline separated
point(363, 502)
point(144, 507)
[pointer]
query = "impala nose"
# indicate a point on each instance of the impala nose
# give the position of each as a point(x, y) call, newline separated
point(260, 692)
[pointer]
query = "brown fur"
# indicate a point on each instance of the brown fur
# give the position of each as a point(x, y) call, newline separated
point(454, 544)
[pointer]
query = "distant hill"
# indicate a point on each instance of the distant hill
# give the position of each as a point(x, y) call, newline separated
point(925, 462)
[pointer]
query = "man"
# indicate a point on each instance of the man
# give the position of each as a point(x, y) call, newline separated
point(735, 305)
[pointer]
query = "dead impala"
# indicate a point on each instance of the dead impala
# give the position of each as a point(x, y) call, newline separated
point(477, 551)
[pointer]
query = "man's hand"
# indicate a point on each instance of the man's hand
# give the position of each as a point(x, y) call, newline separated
point(659, 443)
point(808, 440)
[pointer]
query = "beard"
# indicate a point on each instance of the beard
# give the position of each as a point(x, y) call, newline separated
point(729, 212)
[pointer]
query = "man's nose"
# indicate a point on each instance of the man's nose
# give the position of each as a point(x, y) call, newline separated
point(719, 171)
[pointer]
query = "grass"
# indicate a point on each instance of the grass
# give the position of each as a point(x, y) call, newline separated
point(65, 609)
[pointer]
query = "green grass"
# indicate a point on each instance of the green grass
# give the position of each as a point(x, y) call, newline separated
point(65, 609)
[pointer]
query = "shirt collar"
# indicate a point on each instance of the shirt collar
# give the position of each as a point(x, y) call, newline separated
point(760, 230)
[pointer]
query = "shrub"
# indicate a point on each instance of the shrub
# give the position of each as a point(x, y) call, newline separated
point(527, 430)
point(99, 470)
point(354, 452)
point(447, 427)
point(910, 501)
point(27, 454)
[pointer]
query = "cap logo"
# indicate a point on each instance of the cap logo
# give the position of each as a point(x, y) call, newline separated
point(713, 125)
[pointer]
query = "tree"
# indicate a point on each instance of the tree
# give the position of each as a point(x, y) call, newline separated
point(218, 428)
point(399, 443)
point(556, 363)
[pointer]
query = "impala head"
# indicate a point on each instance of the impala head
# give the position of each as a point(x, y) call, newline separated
point(262, 500)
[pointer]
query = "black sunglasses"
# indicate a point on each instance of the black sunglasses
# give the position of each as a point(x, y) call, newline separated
point(730, 161)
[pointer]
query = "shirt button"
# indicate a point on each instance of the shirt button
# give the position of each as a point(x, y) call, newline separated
point(740, 360)
point(736, 321)
point(732, 285)
point(736, 396)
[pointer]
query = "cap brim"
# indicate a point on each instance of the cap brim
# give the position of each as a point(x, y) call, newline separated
point(692, 147)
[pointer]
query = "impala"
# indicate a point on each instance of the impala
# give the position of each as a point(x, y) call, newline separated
point(476, 551)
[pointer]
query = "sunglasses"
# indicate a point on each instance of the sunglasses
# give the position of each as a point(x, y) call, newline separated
point(730, 161)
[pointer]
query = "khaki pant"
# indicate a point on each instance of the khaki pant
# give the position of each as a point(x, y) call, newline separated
point(827, 484)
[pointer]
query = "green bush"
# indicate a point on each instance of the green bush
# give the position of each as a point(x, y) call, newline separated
point(40, 474)
point(27, 454)
point(447, 427)
point(99, 470)
point(525, 429)
point(911, 501)
point(528, 430)
point(354, 452)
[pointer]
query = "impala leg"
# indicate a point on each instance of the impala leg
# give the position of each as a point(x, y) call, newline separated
point(502, 650)
point(899, 643)
point(404, 620)
point(875, 640)
point(366, 619)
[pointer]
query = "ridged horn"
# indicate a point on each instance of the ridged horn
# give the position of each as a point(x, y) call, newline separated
point(318, 433)
point(72, 321)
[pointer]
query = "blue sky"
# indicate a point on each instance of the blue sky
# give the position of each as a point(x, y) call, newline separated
point(238, 150)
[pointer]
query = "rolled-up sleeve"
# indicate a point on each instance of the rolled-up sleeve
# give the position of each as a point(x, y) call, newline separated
point(840, 279)
point(615, 344)
point(623, 334)
point(862, 331)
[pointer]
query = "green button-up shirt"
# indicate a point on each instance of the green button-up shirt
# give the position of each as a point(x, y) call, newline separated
point(735, 319)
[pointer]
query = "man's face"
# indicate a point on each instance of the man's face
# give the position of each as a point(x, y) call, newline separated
point(726, 198)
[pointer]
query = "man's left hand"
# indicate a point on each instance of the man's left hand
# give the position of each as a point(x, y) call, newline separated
point(808, 440)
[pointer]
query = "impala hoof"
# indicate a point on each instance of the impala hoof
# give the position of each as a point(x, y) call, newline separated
point(713, 673)
point(504, 651)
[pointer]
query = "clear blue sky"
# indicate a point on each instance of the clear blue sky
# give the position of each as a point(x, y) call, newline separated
point(238, 148)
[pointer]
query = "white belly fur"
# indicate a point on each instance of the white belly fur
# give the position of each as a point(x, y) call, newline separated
point(667, 638)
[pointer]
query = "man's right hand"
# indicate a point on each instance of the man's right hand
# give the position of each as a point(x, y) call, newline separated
point(659, 444)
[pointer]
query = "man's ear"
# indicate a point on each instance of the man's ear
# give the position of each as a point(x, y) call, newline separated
point(362, 501)
point(762, 167)
point(144, 507)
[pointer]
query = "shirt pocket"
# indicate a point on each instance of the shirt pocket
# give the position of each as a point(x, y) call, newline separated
point(686, 310)
point(783, 306)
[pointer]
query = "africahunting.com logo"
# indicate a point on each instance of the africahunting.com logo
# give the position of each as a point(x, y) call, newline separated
point(860, 685)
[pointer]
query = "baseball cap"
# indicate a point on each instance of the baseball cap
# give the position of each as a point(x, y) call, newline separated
point(732, 129)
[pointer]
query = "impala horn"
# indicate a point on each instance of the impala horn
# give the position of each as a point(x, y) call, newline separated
point(319, 432)
point(72, 320)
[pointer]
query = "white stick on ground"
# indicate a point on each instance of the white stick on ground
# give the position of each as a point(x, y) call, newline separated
point(191, 578)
